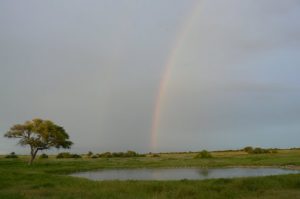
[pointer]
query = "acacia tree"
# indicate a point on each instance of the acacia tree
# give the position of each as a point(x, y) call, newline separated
point(39, 135)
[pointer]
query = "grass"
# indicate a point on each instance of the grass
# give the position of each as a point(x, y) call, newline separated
point(47, 178)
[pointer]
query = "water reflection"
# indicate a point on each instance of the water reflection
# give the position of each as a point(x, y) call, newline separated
point(204, 172)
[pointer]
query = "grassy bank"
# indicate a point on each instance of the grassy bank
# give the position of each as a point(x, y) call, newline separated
point(47, 179)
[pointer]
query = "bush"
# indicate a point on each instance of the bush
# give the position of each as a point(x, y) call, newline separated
point(274, 151)
point(89, 154)
point(75, 156)
point(95, 156)
point(120, 154)
point(63, 155)
point(203, 154)
point(67, 155)
point(248, 149)
point(44, 156)
point(155, 155)
point(105, 155)
point(259, 150)
point(11, 155)
point(131, 154)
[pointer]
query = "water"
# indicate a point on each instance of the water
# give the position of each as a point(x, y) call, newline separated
point(180, 173)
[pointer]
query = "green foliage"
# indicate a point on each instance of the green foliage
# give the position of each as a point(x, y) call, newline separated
point(63, 155)
point(120, 154)
point(105, 155)
point(131, 154)
point(43, 156)
point(95, 156)
point(89, 154)
point(203, 154)
point(39, 135)
point(11, 155)
point(259, 150)
point(75, 156)
point(248, 149)
point(67, 155)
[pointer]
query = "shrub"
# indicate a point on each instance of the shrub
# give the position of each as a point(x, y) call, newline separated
point(118, 154)
point(274, 151)
point(260, 151)
point(63, 155)
point(67, 155)
point(248, 149)
point(11, 155)
point(95, 156)
point(203, 154)
point(155, 155)
point(131, 154)
point(44, 156)
point(121, 154)
point(89, 154)
point(75, 156)
point(105, 155)
point(257, 150)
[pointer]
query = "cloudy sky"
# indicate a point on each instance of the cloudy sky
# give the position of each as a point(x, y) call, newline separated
point(96, 68)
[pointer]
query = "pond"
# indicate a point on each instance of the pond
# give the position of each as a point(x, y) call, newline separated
point(180, 173)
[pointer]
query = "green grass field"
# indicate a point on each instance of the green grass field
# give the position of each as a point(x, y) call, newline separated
point(48, 178)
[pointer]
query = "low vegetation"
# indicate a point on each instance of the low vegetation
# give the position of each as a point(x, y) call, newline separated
point(44, 156)
point(204, 154)
point(259, 150)
point(11, 155)
point(48, 178)
point(67, 155)
point(90, 154)
point(127, 154)
point(155, 155)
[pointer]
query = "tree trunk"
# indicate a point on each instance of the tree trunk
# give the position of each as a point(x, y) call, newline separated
point(33, 155)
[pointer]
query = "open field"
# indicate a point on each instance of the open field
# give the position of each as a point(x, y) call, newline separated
point(47, 178)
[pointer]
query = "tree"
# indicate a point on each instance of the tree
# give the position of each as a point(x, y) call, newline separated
point(204, 154)
point(248, 149)
point(39, 135)
point(89, 154)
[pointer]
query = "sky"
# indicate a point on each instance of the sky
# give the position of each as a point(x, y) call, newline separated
point(159, 75)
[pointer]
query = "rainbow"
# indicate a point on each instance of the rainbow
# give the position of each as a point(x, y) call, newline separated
point(167, 69)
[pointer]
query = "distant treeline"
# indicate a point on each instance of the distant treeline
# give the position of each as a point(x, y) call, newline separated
point(102, 155)
point(116, 155)
point(201, 154)
point(259, 150)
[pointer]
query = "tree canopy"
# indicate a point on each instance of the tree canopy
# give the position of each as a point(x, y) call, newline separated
point(39, 135)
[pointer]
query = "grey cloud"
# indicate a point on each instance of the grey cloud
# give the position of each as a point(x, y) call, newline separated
point(95, 68)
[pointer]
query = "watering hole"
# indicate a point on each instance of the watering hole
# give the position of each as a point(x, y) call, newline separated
point(180, 173)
